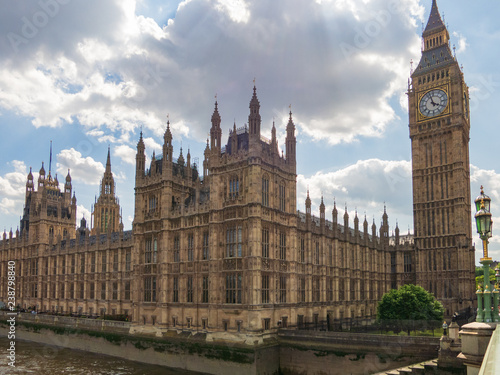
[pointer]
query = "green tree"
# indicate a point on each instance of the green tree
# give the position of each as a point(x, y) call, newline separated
point(407, 304)
point(480, 277)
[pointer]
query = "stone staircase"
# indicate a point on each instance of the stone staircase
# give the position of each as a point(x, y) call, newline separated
point(423, 368)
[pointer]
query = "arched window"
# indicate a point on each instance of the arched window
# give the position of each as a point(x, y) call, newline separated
point(234, 187)
point(51, 231)
point(153, 203)
point(265, 191)
point(282, 197)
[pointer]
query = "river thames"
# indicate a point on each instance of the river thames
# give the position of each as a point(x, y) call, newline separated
point(39, 359)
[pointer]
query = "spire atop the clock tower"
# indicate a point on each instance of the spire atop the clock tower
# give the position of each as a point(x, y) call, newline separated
point(435, 21)
point(435, 34)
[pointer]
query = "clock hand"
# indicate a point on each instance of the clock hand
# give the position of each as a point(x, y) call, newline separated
point(432, 102)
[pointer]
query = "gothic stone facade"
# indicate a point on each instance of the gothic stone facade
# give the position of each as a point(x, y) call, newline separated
point(221, 246)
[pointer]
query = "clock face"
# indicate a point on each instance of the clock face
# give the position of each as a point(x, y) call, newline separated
point(433, 103)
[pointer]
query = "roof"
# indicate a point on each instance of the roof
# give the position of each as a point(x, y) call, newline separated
point(440, 56)
point(435, 21)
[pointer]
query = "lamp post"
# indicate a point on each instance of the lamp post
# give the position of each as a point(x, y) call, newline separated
point(484, 228)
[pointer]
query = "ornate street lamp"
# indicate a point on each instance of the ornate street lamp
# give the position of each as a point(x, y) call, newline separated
point(484, 228)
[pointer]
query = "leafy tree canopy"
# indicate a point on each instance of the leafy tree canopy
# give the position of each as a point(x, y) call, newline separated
point(480, 271)
point(410, 302)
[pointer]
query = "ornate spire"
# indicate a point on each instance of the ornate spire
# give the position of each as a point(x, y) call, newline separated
point(42, 171)
point(140, 144)
point(290, 141)
point(108, 161)
point(216, 116)
point(181, 158)
point(274, 141)
point(435, 22)
point(215, 130)
point(50, 159)
point(67, 185)
point(167, 137)
point(254, 119)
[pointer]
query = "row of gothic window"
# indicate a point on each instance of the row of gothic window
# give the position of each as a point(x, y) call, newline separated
point(91, 293)
point(233, 290)
point(434, 41)
point(434, 76)
point(72, 268)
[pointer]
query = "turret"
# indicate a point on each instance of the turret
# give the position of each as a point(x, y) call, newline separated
point(291, 143)
point(83, 227)
point(397, 234)
point(152, 166)
point(384, 229)
point(205, 162)
point(234, 140)
point(365, 231)
point(41, 177)
point(188, 164)
point(181, 160)
point(334, 217)
point(308, 209)
point(322, 214)
point(274, 141)
point(215, 130)
point(140, 159)
point(167, 145)
point(346, 224)
point(108, 182)
point(254, 119)
point(374, 231)
point(29, 183)
point(67, 185)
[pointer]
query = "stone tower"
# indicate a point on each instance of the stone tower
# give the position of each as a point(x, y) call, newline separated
point(106, 210)
point(48, 211)
point(439, 122)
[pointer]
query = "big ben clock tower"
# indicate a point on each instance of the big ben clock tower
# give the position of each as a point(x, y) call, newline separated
point(439, 131)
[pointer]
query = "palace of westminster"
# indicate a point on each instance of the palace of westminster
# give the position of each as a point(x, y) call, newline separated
point(222, 247)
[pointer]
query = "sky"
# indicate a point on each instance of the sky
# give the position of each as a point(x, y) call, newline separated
point(91, 74)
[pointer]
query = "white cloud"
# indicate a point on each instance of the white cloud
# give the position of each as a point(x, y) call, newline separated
point(85, 170)
point(12, 188)
point(13, 183)
point(118, 70)
point(126, 153)
point(236, 9)
point(461, 44)
point(364, 186)
point(82, 211)
point(10, 206)
point(151, 144)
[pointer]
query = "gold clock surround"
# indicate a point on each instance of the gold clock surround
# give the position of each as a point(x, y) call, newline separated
point(420, 116)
